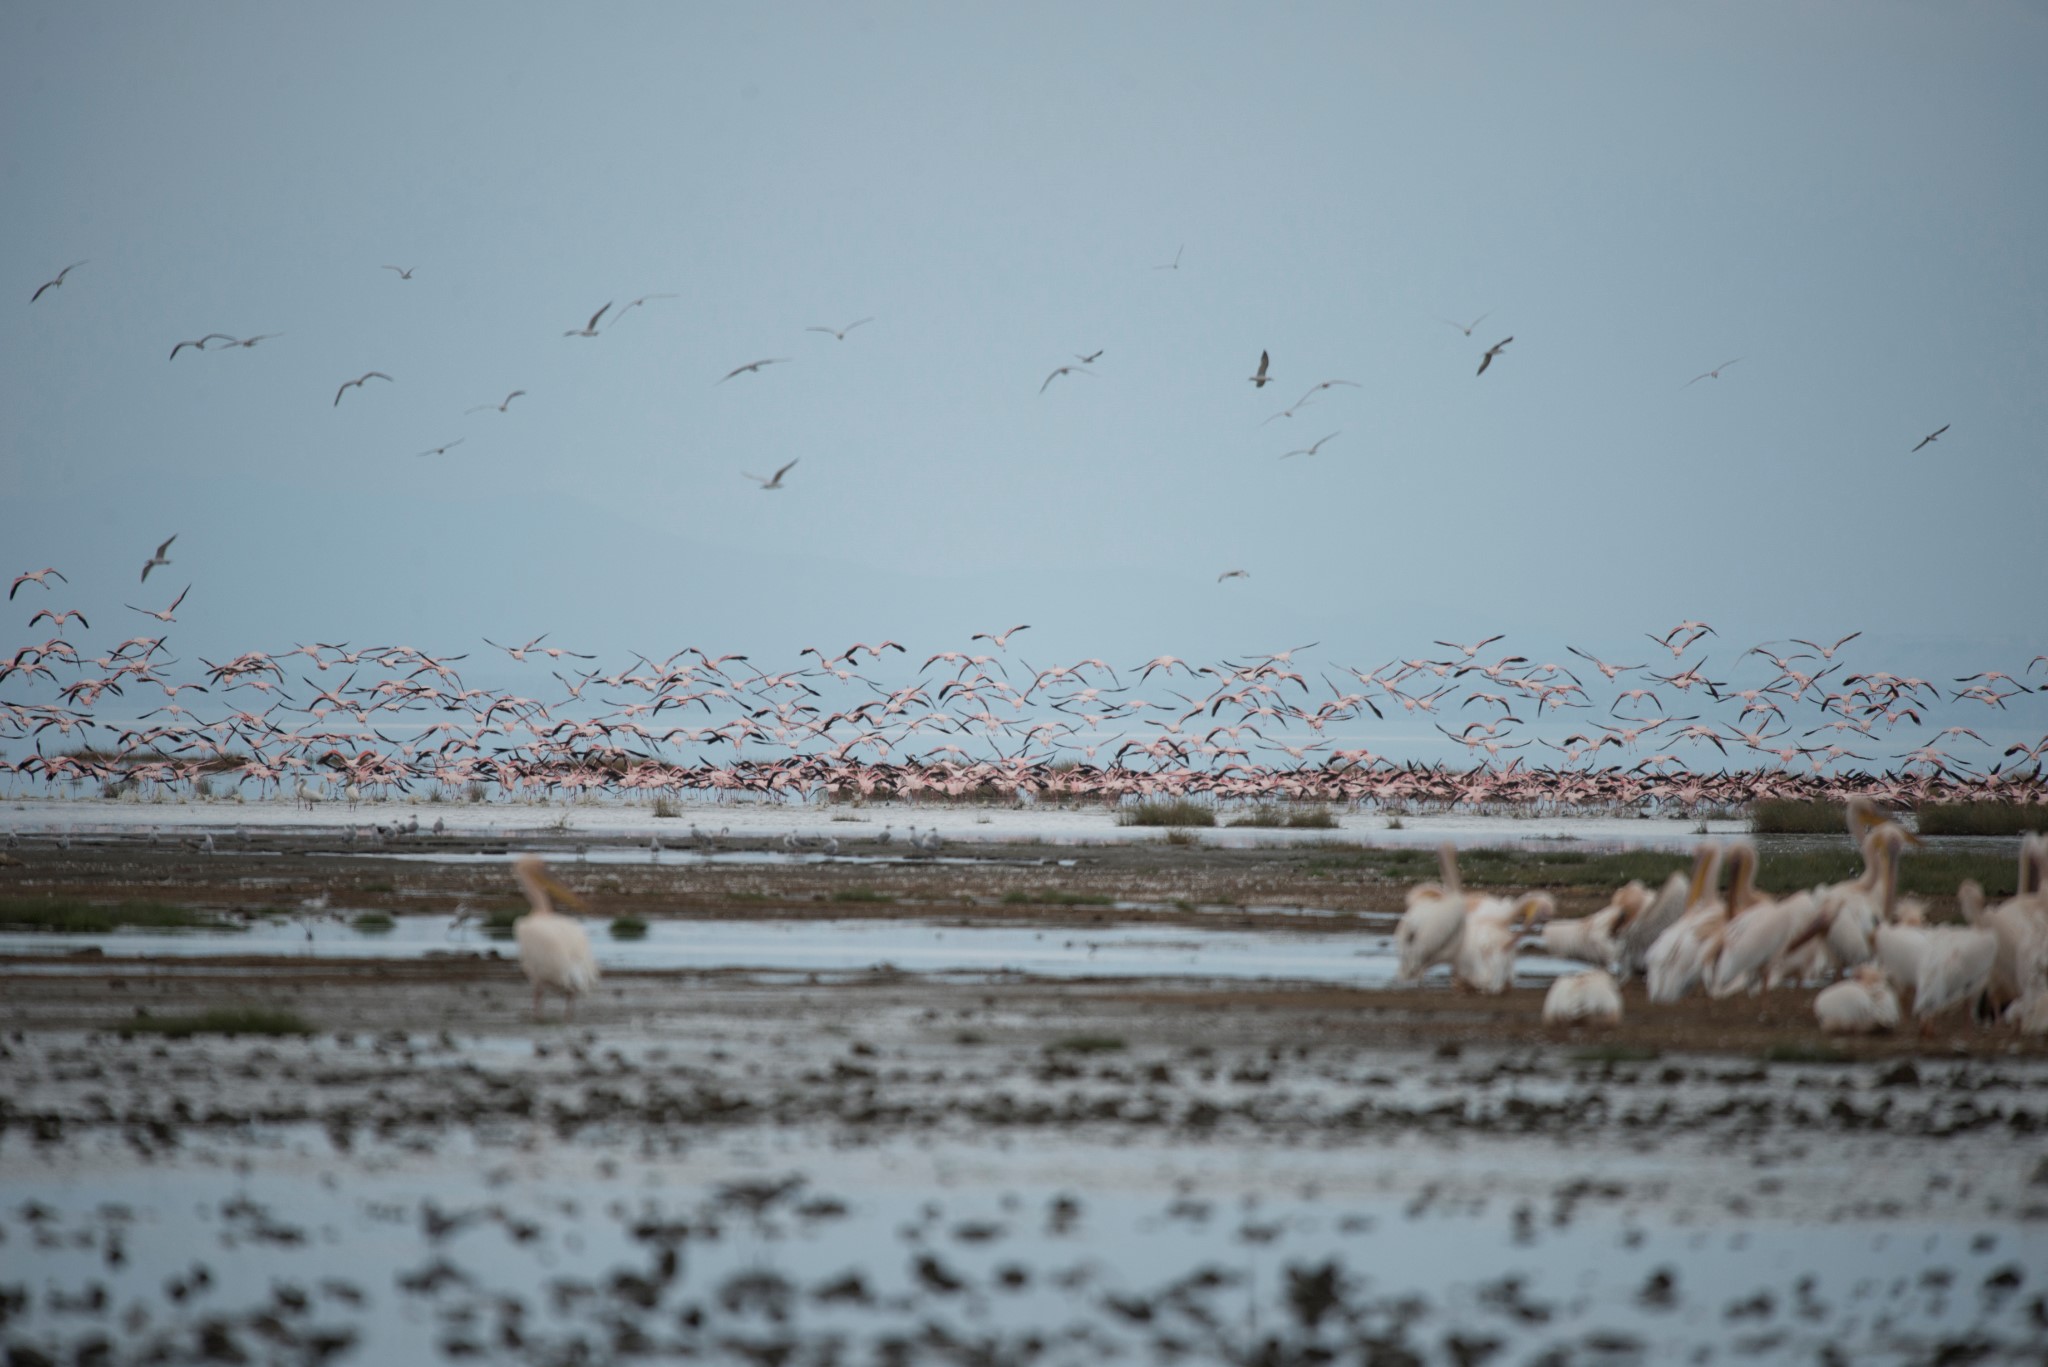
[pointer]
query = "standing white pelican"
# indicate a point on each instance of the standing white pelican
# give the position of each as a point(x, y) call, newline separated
point(1682, 954)
point(1637, 933)
point(1485, 958)
point(1433, 926)
point(553, 949)
point(1590, 996)
point(1595, 939)
point(2020, 924)
point(1859, 1005)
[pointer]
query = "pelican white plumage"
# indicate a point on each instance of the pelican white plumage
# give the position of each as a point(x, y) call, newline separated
point(554, 951)
point(1680, 956)
point(1595, 939)
point(1433, 925)
point(1637, 933)
point(2021, 925)
point(1752, 941)
point(1860, 1005)
point(1583, 998)
point(1485, 957)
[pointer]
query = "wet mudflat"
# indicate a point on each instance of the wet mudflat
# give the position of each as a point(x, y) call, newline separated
point(778, 1159)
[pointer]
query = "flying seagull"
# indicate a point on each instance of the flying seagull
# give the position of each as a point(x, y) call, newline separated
point(1233, 574)
point(1466, 328)
point(499, 406)
point(357, 383)
point(1063, 370)
point(1491, 352)
point(1309, 450)
point(1932, 435)
point(751, 365)
point(589, 329)
point(1091, 358)
point(52, 284)
point(201, 343)
point(1174, 264)
point(404, 272)
point(1713, 374)
point(774, 482)
point(1261, 380)
point(160, 558)
point(251, 341)
point(840, 333)
point(443, 450)
point(638, 302)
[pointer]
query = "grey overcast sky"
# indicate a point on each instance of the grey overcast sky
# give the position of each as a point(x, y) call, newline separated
point(1850, 198)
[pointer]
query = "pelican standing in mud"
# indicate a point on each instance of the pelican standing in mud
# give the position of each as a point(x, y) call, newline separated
point(554, 951)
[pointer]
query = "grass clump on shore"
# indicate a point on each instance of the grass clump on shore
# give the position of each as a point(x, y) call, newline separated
point(1788, 817)
point(222, 1020)
point(1981, 818)
point(1275, 816)
point(862, 895)
point(1086, 1044)
point(70, 915)
point(373, 923)
point(628, 928)
point(1162, 812)
point(1055, 897)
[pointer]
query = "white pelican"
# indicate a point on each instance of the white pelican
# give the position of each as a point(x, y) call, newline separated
point(1433, 926)
point(1955, 964)
point(1588, 996)
point(1639, 932)
point(1678, 956)
point(2020, 925)
point(1755, 936)
point(553, 948)
point(1855, 905)
point(1485, 957)
point(1859, 1005)
point(2029, 1015)
point(1595, 939)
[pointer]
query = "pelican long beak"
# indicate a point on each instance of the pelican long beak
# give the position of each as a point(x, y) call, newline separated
point(568, 895)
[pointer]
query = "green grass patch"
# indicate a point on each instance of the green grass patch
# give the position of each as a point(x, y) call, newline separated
point(862, 895)
point(498, 924)
point(226, 1020)
point(1055, 897)
point(1615, 1053)
point(628, 928)
point(373, 923)
point(1086, 1044)
point(1804, 1053)
point(74, 916)
point(1161, 812)
point(1278, 816)
point(1789, 817)
point(1981, 818)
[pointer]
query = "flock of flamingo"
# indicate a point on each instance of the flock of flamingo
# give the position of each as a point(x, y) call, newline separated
point(1691, 936)
point(333, 721)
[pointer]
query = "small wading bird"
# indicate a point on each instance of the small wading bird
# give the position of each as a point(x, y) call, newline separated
point(48, 285)
point(1713, 374)
point(1932, 435)
point(160, 558)
point(773, 481)
point(40, 577)
point(1261, 379)
point(1491, 352)
point(499, 406)
point(589, 329)
point(357, 383)
point(1466, 328)
point(165, 615)
point(751, 366)
point(840, 333)
point(1310, 450)
point(554, 951)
